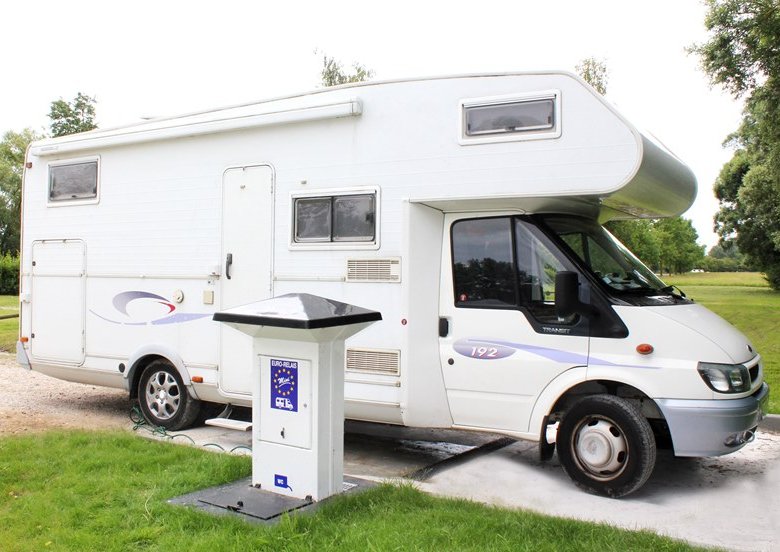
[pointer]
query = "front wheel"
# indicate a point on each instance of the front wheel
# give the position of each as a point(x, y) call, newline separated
point(606, 446)
point(163, 399)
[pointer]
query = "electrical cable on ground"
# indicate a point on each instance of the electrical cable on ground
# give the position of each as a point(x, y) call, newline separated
point(139, 422)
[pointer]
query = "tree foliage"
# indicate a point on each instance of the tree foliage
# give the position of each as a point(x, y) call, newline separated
point(12, 151)
point(665, 245)
point(72, 117)
point(742, 54)
point(333, 72)
point(594, 72)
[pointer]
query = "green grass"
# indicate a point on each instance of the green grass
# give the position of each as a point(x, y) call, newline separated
point(740, 279)
point(754, 310)
point(108, 491)
point(9, 329)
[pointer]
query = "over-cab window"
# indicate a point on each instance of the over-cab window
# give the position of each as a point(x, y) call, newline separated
point(503, 118)
point(527, 116)
point(503, 263)
point(337, 218)
point(73, 181)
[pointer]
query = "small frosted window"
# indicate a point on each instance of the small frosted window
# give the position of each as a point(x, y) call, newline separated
point(504, 118)
point(312, 219)
point(73, 181)
point(353, 218)
point(342, 218)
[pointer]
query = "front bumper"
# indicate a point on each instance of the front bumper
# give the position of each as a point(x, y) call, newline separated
point(713, 427)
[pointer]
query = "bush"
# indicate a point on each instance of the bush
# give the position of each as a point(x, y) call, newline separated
point(9, 275)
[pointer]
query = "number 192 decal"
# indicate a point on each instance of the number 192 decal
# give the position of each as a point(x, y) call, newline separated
point(481, 350)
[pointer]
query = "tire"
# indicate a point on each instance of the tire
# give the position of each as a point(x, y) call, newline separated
point(606, 446)
point(163, 398)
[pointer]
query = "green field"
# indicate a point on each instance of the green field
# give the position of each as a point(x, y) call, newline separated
point(9, 328)
point(108, 491)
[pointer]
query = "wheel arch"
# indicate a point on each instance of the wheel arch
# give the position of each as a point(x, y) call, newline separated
point(573, 384)
point(144, 356)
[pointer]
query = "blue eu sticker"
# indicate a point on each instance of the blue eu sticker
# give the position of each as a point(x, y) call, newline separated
point(281, 481)
point(284, 385)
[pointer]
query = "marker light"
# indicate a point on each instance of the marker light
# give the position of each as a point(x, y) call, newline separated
point(644, 349)
point(197, 379)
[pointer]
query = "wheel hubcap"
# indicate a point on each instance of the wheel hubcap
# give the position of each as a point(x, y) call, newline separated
point(601, 448)
point(163, 395)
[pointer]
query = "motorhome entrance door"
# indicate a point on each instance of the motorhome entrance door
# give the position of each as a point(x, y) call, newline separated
point(503, 342)
point(247, 255)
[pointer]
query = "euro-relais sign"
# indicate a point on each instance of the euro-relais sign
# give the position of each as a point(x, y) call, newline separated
point(284, 385)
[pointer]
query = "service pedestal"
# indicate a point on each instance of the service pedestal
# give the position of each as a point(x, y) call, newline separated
point(298, 390)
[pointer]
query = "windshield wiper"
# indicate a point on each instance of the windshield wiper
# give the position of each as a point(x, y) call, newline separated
point(670, 289)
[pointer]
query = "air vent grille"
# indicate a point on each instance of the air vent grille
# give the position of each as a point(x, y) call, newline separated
point(374, 270)
point(374, 361)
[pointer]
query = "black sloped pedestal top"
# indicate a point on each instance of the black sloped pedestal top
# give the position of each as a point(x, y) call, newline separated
point(299, 311)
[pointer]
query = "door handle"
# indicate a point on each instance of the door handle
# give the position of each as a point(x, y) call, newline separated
point(228, 262)
point(444, 327)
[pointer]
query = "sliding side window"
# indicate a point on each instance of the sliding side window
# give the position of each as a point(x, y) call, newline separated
point(338, 218)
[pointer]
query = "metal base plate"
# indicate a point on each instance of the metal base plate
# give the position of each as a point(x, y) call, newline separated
point(241, 498)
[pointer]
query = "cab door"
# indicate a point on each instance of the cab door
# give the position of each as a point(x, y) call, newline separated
point(503, 342)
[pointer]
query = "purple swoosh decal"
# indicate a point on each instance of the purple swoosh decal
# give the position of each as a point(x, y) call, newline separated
point(179, 318)
point(556, 355)
point(482, 350)
point(121, 300)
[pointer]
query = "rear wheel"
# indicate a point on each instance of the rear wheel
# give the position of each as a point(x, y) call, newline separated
point(606, 446)
point(163, 399)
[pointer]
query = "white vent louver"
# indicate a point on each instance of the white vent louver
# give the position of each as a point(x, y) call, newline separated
point(374, 361)
point(374, 270)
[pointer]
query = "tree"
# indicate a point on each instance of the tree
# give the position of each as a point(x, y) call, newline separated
point(12, 151)
point(639, 237)
point(678, 250)
point(665, 245)
point(594, 72)
point(743, 56)
point(72, 117)
point(333, 74)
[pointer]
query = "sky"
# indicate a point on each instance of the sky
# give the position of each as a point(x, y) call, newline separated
point(147, 58)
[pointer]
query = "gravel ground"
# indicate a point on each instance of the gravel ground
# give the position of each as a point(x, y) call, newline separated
point(31, 402)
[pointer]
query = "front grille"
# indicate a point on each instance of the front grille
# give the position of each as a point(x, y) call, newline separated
point(754, 373)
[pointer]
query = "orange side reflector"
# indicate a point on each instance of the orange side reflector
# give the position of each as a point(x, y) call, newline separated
point(197, 379)
point(644, 349)
point(24, 339)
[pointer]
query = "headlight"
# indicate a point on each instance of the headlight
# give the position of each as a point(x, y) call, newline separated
point(725, 378)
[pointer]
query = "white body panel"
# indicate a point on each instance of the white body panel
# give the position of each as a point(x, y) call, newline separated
point(175, 197)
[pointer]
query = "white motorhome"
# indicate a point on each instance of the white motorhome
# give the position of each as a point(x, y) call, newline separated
point(467, 210)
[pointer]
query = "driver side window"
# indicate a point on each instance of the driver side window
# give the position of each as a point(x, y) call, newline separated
point(501, 263)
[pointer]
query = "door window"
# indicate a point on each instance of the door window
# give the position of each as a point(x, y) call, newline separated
point(503, 263)
point(482, 263)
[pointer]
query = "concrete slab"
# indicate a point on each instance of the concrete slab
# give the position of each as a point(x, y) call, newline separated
point(730, 502)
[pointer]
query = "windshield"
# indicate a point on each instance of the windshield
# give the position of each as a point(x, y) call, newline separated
point(607, 258)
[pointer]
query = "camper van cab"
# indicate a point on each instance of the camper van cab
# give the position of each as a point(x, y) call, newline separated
point(467, 210)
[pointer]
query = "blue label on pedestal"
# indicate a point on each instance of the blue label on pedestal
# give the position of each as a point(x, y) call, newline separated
point(281, 481)
point(284, 385)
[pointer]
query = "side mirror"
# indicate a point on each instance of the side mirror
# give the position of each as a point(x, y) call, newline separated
point(567, 296)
